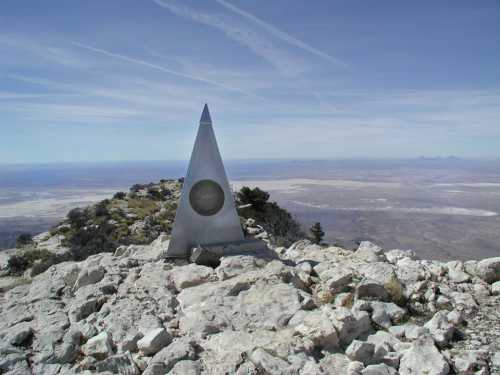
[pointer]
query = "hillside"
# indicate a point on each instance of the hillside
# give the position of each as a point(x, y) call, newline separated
point(300, 308)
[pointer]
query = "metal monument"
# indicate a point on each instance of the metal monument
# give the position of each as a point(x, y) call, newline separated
point(206, 213)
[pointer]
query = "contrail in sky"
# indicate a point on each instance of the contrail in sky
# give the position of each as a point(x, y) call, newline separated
point(161, 68)
point(273, 30)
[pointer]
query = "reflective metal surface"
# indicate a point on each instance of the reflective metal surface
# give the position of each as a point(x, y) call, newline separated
point(206, 197)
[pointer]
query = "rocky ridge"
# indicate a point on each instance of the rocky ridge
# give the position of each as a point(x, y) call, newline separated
point(306, 309)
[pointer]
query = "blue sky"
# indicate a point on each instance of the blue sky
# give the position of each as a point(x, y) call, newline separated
point(117, 80)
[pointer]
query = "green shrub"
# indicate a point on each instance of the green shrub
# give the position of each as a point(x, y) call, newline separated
point(317, 233)
point(23, 240)
point(17, 265)
point(78, 217)
point(101, 208)
point(256, 197)
point(41, 259)
point(92, 240)
point(278, 222)
point(119, 195)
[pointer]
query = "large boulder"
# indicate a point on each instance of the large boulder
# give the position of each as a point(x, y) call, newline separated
point(370, 252)
point(153, 341)
point(489, 269)
point(99, 347)
point(423, 358)
point(190, 275)
point(316, 326)
point(89, 276)
point(384, 274)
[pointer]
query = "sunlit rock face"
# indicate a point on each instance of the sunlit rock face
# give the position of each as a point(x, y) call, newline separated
point(307, 309)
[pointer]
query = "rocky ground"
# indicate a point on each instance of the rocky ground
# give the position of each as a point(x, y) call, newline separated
point(306, 309)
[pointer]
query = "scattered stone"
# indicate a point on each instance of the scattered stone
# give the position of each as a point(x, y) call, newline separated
point(153, 341)
point(89, 276)
point(190, 275)
point(361, 351)
point(380, 369)
point(186, 368)
point(369, 288)
point(316, 326)
point(266, 362)
point(370, 252)
point(489, 269)
point(163, 361)
point(495, 288)
point(440, 328)
point(316, 311)
point(423, 358)
point(122, 364)
point(99, 347)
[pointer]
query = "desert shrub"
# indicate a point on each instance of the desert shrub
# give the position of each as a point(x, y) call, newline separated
point(119, 195)
point(17, 265)
point(317, 233)
point(92, 240)
point(41, 258)
point(256, 197)
point(154, 193)
point(142, 207)
point(23, 240)
point(281, 225)
point(137, 187)
point(278, 222)
point(78, 217)
point(101, 208)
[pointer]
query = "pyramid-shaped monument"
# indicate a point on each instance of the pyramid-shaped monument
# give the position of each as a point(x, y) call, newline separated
point(206, 213)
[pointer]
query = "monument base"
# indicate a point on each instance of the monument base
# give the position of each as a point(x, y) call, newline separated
point(209, 255)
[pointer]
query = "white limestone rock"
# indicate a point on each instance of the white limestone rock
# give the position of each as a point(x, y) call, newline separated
point(122, 364)
point(350, 324)
point(163, 361)
point(489, 269)
point(394, 256)
point(13, 360)
point(456, 272)
point(440, 328)
point(369, 252)
point(423, 358)
point(495, 288)
point(153, 341)
point(99, 347)
point(339, 363)
point(384, 274)
point(380, 369)
point(17, 334)
point(268, 363)
point(89, 276)
point(186, 367)
point(470, 362)
point(369, 288)
point(361, 351)
point(336, 278)
point(316, 326)
point(190, 275)
point(231, 266)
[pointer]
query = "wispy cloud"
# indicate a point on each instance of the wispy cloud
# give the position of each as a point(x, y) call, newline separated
point(5, 95)
point(20, 50)
point(277, 33)
point(161, 68)
point(247, 36)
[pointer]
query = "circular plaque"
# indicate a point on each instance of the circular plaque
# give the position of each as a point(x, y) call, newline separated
point(206, 197)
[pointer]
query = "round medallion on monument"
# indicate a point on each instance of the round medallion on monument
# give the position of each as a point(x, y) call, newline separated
point(206, 197)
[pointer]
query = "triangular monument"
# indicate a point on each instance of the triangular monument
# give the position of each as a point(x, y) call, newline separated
point(206, 213)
